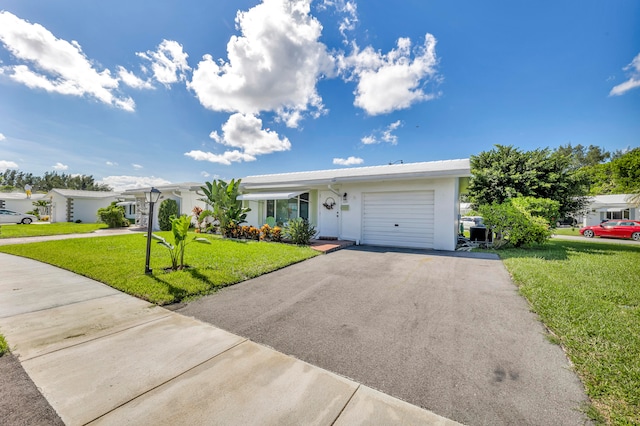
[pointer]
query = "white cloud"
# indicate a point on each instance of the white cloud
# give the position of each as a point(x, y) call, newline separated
point(392, 81)
point(136, 166)
point(60, 166)
point(348, 9)
point(633, 70)
point(59, 66)
point(168, 62)
point(273, 65)
point(244, 132)
point(121, 183)
point(4, 165)
point(348, 161)
point(111, 163)
point(204, 174)
point(226, 158)
point(132, 80)
point(369, 140)
point(2, 137)
point(385, 135)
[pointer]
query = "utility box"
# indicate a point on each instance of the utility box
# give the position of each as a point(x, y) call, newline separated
point(480, 234)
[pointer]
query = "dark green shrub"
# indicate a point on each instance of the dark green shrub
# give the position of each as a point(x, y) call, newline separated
point(113, 216)
point(514, 225)
point(299, 231)
point(168, 208)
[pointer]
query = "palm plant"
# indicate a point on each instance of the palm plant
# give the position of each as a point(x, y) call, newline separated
point(223, 198)
point(180, 230)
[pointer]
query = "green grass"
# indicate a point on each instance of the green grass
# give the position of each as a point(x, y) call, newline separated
point(119, 261)
point(38, 230)
point(588, 295)
point(567, 231)
point(4, 347)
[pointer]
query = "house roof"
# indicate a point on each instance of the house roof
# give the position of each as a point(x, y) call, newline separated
point(610, 200)
point(20, 196)
point(185, 186)
point(431, 169)
point(75, 193)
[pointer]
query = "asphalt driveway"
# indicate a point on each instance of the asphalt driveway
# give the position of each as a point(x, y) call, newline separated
point(448, 333)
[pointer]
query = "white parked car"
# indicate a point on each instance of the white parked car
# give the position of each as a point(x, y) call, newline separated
point(469, 221)
point(9, 216)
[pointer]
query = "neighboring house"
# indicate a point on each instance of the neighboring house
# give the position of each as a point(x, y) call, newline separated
point(187, 196)
point(414, 205)
point(70, 205)
point(604, 207)
point(18, 201)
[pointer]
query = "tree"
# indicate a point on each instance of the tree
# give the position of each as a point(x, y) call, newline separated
point(506, 172)
point(518, 221)
point(168, 208)
point(223, 198)
point(12, 180)
point(581, 156)
point(113, 216)
point(619, 176)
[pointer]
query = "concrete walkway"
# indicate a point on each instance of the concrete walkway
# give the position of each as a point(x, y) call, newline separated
point(102, 357)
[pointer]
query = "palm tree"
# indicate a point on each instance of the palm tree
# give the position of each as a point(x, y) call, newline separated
point(634, 199)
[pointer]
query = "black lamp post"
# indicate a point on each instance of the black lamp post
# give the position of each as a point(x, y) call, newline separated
point(151, 197)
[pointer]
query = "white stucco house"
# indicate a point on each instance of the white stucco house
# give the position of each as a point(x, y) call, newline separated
point(413, 205)
point(615, 206)
point(18, 201)
point(71, 205)
point(186, 195)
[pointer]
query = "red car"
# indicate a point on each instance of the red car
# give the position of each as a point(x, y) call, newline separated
point(614, 229)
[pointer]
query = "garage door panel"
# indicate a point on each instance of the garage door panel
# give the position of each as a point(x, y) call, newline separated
point(411, 211)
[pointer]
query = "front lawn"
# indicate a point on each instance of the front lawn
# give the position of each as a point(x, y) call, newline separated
point(588, 295)
point(38, 230)
point(567, 231)
point(119, 261)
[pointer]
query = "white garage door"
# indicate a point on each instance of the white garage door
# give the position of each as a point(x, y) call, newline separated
point(398, 219)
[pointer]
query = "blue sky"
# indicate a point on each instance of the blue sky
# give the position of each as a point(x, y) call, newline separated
point(191, 90)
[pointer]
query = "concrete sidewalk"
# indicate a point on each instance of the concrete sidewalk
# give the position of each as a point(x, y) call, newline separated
point(102, 357)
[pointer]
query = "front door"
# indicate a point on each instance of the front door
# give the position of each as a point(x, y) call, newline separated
point(329, 214)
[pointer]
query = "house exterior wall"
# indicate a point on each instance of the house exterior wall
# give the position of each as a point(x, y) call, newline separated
point(84, 209)
point(445, 211)
point(18, 205)
point(597, 210)
point(350, 212)
point(58, 208)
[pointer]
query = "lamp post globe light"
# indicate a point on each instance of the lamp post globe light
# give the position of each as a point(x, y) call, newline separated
point(151, 197)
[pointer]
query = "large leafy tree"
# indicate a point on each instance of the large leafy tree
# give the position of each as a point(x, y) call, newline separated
point(619, 176)
point(506, 172)
point(11, 180)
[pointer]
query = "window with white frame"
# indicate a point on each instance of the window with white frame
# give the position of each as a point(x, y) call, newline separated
point(285, 210)
point(622, 214)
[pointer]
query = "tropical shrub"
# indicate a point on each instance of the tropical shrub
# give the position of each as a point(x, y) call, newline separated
point(276, 234)
point(514, 225)
point(299, 231)
point(223, 198)
point(179, 230)
point(168, 208)
point(113, 216)
point(265, 232)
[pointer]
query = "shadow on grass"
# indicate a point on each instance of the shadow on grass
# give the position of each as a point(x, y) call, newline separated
point(562, 250)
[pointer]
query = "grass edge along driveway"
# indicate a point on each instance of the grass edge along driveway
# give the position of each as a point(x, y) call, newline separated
point(118, 261)
point(587, 294)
